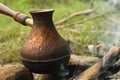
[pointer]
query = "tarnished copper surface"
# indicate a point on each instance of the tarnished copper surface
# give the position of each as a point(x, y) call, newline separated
point(44, 43)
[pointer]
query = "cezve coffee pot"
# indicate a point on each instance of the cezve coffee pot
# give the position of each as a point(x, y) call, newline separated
point(45, 51)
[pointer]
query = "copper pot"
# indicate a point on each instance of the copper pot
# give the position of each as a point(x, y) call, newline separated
point(45, 50)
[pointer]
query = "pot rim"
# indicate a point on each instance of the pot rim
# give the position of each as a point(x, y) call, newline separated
point(42, 10)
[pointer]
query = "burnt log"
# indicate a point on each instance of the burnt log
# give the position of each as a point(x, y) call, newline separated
point(19, 72)
point(91, 73)
point(80, 60)
point(14, 72)
point(80, 68)
point(98, 69)
point(115, 76)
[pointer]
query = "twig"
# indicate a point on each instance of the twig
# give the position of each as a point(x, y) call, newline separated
point(90, 7)
point(112, 19)
point(63, 26)
point(92, 18)
point(79, 22)
point(74, 15)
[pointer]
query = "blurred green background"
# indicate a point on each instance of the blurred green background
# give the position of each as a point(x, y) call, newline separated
point(13, 34)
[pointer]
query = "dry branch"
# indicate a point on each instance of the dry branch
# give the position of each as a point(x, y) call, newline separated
point(112, 19)
point(79, 60)
point(100, 15)
point(74, 15)
point(79, 22)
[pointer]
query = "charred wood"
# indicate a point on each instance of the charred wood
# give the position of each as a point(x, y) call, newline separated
point(15, 72)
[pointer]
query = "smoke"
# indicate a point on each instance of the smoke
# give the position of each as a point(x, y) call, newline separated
point(114, 3)
point(111, 35)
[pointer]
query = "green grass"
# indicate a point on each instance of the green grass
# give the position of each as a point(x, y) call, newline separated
point(13, 35)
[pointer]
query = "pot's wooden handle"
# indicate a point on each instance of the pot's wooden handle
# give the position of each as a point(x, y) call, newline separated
point(19, 17)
